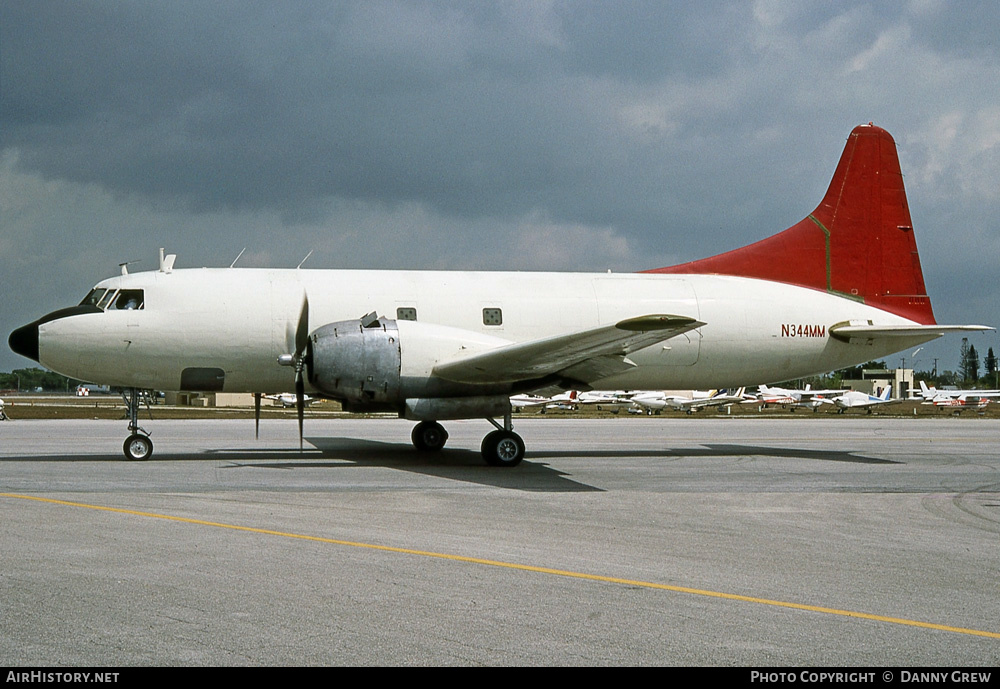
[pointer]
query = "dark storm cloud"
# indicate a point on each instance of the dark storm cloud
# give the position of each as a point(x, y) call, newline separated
point(968, 30)
point(648, 41)
point(240, 106)
point(596, 112)
point(473, 108)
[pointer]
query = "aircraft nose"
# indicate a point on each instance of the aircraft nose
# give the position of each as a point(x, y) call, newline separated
point(24, 341)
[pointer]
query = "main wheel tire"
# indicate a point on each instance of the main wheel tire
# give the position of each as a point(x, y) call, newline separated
point(503, 449)
point(429, 436)
point(138, 447)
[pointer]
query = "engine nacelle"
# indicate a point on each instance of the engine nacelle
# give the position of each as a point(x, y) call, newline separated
point(357, 364)
point(441, 408)
point(379, 364)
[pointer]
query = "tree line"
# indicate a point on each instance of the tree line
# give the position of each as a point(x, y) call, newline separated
point(971, 372)
point(969, 364)
point(31, 379)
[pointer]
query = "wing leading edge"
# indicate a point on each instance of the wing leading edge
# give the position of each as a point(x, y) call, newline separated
point(584, 356)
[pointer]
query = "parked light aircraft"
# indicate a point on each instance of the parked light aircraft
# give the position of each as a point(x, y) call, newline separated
point(568, 400)
point(573, 399)
point(809, 398)
point(600, 398)
point(841, 287)
point(961, 402)
point(650, 401)
point(956, 398)
point(656, 401)
point(854, 399)
point(290, 399)
point(929, 393)
point(524, 401)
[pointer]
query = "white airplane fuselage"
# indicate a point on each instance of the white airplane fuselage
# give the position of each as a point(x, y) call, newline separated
point(242, 320)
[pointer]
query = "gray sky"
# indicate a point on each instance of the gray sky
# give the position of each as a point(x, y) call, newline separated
point(481, 135)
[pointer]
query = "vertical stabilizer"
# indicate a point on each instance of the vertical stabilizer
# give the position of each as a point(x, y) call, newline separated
point(858, 243)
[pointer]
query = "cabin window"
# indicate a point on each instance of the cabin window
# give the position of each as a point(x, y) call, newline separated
point(492, 316)
point(406, 313)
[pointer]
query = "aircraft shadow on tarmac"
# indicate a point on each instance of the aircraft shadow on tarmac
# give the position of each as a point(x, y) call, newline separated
point(454, 464)
point(725, 451)
point(458, 464)
point(346, 453)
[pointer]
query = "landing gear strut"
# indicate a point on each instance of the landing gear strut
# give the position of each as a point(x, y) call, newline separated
point(137, 446)
point(503, 447)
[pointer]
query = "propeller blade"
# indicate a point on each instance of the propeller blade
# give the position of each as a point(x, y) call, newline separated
point(300, 401)
point(297, 330)
point(256, 415)
point(302, 329)
point(299, 359)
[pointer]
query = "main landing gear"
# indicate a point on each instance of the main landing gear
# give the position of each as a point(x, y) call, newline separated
point(501, 448)
point(429, 436)
point(137, 446)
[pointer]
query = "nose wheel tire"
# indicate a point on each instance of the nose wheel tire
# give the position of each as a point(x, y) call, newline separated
point(138, 447)
point(429, 436)
point(503, 449)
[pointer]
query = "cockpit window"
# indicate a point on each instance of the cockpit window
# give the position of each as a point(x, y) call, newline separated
point(118, 300)
point(93, 297)
point(106, 299)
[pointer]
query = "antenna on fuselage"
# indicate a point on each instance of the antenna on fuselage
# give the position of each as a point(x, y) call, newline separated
point(167, 262)
point(304, 259)
point(237, 258)
point(124, 266)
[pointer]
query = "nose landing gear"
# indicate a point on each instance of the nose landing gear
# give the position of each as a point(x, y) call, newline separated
point(137, 446)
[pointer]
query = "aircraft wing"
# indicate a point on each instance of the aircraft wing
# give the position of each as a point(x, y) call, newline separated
point(718, 399)
point(806, 395)
point(584, 356)
point(955, 394)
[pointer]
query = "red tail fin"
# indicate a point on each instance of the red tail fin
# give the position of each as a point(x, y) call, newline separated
point(858, 243)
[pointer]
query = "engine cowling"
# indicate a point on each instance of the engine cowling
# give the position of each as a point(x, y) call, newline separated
point(357, 364)
point(381, 364)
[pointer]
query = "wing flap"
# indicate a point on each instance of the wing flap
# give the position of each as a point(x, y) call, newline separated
point(597, 368)
point(585, 355)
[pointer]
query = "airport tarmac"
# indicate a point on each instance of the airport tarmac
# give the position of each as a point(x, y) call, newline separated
point(867, 542)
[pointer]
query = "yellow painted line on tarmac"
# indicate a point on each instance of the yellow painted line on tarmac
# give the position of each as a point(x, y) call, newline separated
point(525, 568)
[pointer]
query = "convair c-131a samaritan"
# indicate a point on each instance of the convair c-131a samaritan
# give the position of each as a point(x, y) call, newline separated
point(841, 287)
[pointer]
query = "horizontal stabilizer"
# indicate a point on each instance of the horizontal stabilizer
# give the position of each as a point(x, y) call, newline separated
point(585, 355)
point(868, 331)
